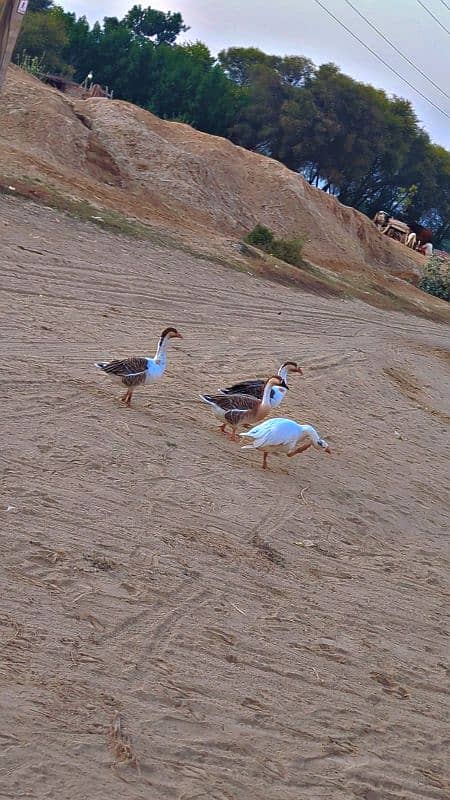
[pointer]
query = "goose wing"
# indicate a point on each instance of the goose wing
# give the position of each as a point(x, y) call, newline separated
point(255, 388)
point(131, 370)
point(275, 432)
point(232, 402)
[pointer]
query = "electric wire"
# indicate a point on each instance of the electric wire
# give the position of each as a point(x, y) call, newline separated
point(434, 16)
point(394, 47)
point(385, 63)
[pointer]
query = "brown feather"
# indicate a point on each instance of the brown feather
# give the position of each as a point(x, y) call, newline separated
point(254, 388)
point(241, 409)
point(236, 417)
point(131, 370)
point(240, 402)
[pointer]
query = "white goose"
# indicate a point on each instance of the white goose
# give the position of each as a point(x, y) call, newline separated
point(139, 370)
point(283, 436)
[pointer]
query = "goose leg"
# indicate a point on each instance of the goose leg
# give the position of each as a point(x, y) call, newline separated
point(300, 449)
point(223, 428)
point(264, 464)
point(127, 398)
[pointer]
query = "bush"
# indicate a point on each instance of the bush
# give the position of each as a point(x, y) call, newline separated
point(436, 278)
point(32, 64)
point(261, 237)
point(289, 250)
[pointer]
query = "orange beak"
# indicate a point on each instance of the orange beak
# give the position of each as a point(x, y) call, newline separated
point(299, 370)
point(177, 335)
point(328, 450)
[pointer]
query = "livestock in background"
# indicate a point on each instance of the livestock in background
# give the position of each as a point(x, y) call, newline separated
point(381, 219)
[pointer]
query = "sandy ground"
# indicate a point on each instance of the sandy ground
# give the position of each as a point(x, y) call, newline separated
point(245, 639)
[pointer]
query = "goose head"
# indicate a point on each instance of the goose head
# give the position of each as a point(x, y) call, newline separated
point(324, 445)
point(170, 333)
point(290, 366)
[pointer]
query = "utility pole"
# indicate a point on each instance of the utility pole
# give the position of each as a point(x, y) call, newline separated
point(12, 13)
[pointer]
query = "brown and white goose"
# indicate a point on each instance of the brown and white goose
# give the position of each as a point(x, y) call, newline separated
point(255, 387)
point(237, 410)
point(139, 370)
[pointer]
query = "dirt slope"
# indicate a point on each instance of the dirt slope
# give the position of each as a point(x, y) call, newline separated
point(119, 156)
point(262, 636)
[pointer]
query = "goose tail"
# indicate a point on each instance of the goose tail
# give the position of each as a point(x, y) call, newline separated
point(207, 399)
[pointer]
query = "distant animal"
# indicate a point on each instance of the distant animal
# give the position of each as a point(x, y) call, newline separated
point(255, 387)
point(139, 370)
point(238, 410)
point(95, 91)
point(424, 235)
point(283, 436)
point(381, 219)
point(425, 249)
point(411, 241)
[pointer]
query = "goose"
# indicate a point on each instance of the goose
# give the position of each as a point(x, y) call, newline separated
point(283, 436)
point(243, 409)
point(255, 387)
point(137, 371)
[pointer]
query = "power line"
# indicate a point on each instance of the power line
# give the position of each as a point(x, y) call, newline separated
point(434, 17)
point(394, 47)
point(336, 19)
point(445, 4)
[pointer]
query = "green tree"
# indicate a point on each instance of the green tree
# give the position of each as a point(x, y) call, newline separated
point(148, 23)
point(256, 125)
point(240, 63)
point(43, 36)
point(113, 57)
point(295, 70)
point(79, 50)
point(430, 205)
point(39, 5)
point(186, 85)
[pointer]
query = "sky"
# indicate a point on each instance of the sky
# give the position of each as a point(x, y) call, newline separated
point(303, 27)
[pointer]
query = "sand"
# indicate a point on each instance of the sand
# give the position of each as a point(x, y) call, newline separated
point(175, 622)
point(118, 156)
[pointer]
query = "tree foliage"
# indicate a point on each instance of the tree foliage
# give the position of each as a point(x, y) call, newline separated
point(39, 5)
point(148, 23)
point(43, 36)
point(345, 137)
point(436, 278)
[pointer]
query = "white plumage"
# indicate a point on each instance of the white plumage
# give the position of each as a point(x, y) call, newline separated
point(284, 436)
point(277, 396)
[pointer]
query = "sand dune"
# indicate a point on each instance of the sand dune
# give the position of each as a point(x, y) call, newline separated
point(119, 156)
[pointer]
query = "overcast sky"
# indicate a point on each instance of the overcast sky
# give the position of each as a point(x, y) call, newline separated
point(302, 27)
